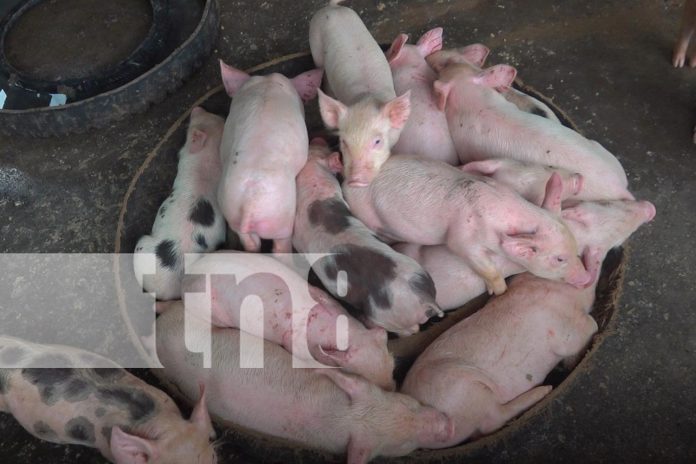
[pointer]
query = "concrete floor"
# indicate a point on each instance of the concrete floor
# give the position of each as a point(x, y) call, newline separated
point(605, 62)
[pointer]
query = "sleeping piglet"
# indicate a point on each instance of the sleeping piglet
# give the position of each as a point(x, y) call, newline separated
point(476, 54)
point(386, 288)
point(427, 202)
point(295, 315)
point(320, 408)
point(107, 408)
point(607, 222)
point(189, 220)
point(484, 125)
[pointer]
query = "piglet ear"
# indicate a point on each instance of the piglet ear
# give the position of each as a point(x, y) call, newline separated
point(441, 90)
point(332, 111)
point(232, 78)
point(482, 168)
point(521, 246)
point(355, 386)
point(554, 194)
point(197, 141)
point(200, 417)
point(499, 77)
point(335, 163)
point(398, 110)
point(308, 83)
point(358, 452)
point(475, 54)
point(396, 47)
point(430, 42)
point(127, 448)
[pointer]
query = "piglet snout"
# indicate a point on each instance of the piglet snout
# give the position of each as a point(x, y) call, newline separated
point(580, 277)
point(357, 183)
point(649, 209)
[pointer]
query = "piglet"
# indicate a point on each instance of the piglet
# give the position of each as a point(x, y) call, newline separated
point(263, 148)
point(189, 220)
point(608, 222)
point(527, 179)
point(484, 125)
point(475, 55)
point(427, 202)
point(320, 408)
point(295, 314)
point(387, 289)
point(107, 408)
point(426, 133)
point(482, 382)
point(366, 112)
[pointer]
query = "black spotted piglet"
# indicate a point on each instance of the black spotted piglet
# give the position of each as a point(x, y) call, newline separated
point(189, 220)
point(127, 420)
point(386, 288)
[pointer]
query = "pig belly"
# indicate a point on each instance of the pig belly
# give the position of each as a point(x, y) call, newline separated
point(492, 135)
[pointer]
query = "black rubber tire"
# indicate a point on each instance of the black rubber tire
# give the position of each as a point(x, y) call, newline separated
point(133, 97)
point(140, 60)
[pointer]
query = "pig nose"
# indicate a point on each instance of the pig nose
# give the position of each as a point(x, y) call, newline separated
point(360, 176)
point(650, 210)
point(580, 280)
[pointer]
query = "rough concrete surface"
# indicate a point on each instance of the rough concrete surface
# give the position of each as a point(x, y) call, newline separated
point(605, 63)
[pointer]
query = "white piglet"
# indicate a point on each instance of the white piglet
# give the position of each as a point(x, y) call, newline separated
point(368, 115)
point(263, 148)
point(426, 133)
point(484, 125)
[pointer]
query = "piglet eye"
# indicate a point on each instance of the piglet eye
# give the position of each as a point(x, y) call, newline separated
point(561, 259)
point(377, 142)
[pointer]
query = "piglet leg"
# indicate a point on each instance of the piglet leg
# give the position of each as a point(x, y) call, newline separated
point(514, 408)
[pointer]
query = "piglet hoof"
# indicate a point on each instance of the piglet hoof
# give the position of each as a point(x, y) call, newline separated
point(497, 286)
